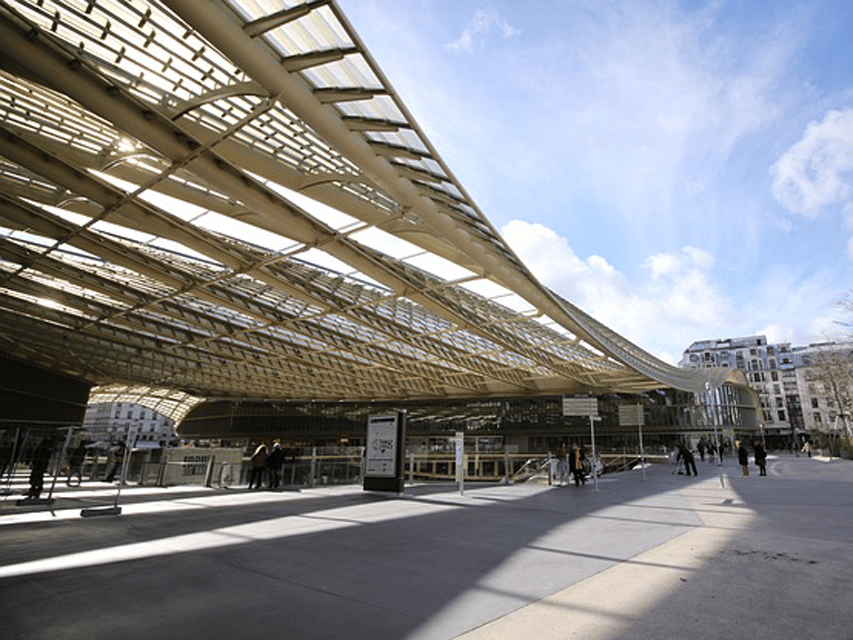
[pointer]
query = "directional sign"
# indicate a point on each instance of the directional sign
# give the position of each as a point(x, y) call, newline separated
point(631, 415)
point(580, 406)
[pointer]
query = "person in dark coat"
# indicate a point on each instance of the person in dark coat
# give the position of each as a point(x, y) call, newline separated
point(274, 462)
point(743, 459)
point(761, 459)
point(687, 457)
point(75, 464)
point(41, 459)
point(118, 461)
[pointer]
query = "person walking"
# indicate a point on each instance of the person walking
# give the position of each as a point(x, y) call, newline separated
point(274, 462)
point(761, 459)
point(743, 459)
point(689, 462)
point(576, 458)
point(259, 462)
point(562, 464)
point(75, 464)
point(118, 461)
point(40, 462)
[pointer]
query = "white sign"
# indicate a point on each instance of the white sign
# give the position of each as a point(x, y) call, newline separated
point(381, 446)
point(580, 406)
point(631, 415)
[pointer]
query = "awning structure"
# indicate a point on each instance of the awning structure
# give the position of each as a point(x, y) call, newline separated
point(231, 201)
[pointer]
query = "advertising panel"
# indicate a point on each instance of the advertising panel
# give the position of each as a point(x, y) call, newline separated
point(384, 450)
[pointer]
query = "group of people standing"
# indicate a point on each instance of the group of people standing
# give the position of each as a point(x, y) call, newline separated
point(267, 462)
point(759, 454)
point(568, 463)
point(685, 457)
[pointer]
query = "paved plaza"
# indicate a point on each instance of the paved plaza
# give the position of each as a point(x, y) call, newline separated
point(668, 556)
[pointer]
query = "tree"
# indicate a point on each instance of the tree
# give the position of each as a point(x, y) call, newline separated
point(830, 373)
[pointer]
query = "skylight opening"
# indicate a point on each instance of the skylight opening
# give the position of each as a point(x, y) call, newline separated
point(182, 250)
point(323, 260)
point(439, 267)
point(242, 231)
point(386, 243)
point(329, 216)
point(120, 231)
point(485, 288)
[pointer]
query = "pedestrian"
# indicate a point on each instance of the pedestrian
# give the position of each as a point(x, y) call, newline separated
point(807, 448)
point(553, 466)
point(761, 459)
point(118, 461)
point(40, 462)
point(687, 457)
point(259, 462)
point(701, 447)
point(562, 464)
point(274, 462)
point(743, 459)
point(75, 464)
point(576, 458)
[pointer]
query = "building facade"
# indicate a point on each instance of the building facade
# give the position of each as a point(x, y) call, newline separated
point(802, 389)
point(825, 382)
point(110, 422)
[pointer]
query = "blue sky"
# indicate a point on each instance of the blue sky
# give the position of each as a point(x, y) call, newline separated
point(680, 170)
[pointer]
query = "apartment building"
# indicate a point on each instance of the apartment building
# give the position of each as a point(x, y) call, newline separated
point(801, 389)
point(109, 422)
point(767, 368)
point(825, 380)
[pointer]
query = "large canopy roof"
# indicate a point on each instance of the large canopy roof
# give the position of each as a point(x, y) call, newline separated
point(228, 199)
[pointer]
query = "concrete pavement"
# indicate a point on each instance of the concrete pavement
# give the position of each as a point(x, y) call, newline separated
point(759, 557)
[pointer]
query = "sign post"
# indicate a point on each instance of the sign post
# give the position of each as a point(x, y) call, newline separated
point(386, 441)
point(460, 461)
point(585, 406)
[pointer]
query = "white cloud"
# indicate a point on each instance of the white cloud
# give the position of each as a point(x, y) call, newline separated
point(678, 299)
point(811, 175)
point(676, 305)
point(480, 29)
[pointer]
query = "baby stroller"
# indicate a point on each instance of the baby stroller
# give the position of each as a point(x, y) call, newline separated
point(676, 463)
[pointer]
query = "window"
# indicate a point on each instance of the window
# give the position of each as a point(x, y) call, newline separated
point(779, 402)
point(774, 375)
point(817, 418)
point(815, 404)
point(782, 415)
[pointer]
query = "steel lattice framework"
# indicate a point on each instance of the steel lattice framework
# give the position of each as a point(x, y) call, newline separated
point(227, 198)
